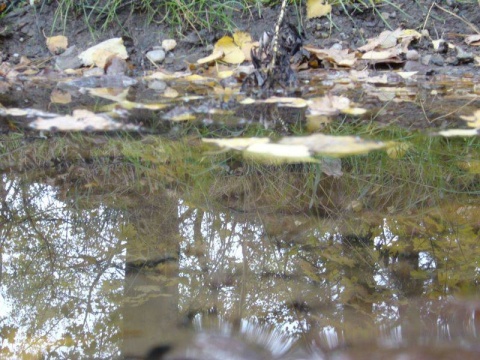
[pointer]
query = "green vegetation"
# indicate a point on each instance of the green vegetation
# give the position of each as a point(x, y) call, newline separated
point(179, 14)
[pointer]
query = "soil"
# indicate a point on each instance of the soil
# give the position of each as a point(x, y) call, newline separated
point(22, 31)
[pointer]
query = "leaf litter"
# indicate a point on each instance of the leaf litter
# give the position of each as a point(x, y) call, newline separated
point(236, 51)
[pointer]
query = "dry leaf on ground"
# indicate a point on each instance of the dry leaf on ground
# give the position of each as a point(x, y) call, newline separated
point(57, 44)
point(98, 55)
point(235, 49)
point(474, 120)
point(337, 57)
point(473, 40)
point(317, 8)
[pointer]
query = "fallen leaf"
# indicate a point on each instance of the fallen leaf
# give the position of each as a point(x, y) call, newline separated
point(338, 57)
point(460, 132)
point(216, 55)
point(244, 41)
point(474, 120)
point(232, 53)
point(237, 143)
point(279, 153)
point(80, 120)
point(57, 44)
point(334, 146)
point(317, 8)
point(385, 40)
point(332, 105)
point(473, 40)
point(286, 101)
point(169, 44)
point(164, 75)
point(98, 54)
point(382, 55)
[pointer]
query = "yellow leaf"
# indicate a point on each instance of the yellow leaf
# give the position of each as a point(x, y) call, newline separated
point(241, 38)
point(317, 8)
point(217, 54)
point(279, 153)
point(474, 120)
point(97, 55)
point(459, 132)
point(244, 42)
point(57, 44)
point(237, 143)
point(232, 53)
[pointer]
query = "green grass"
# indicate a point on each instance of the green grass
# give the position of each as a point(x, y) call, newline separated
point(181, 15)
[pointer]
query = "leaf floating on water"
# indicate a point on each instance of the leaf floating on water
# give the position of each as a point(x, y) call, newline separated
point(300, 149)
point(286, 101)
point(332, 105)
point(283, 101)
point(335, 146)
point(460, 132)
point(80, 120)
point(279, 153)
point(317, 8)
point(237, 143)
point(110, 93)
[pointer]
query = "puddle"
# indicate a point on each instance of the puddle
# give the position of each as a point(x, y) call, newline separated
point(119, 244)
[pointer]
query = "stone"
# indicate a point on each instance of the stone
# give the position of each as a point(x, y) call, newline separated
point(69, 59)
point(156, 56)
point(412, 55)
point(463, 56)
point(157, 85)
point(437, 60)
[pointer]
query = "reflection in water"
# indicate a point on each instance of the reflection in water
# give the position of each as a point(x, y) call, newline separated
point(91, 279)
point(61, 277)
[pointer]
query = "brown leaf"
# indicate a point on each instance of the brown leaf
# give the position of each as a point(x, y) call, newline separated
point(57, 44)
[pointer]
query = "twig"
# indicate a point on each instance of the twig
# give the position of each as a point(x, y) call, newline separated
point(275, 36)
point(460, 18)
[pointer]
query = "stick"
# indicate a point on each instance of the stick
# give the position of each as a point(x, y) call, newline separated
point(275, 36)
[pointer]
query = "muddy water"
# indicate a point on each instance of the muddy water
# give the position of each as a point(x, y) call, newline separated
point(129, 245)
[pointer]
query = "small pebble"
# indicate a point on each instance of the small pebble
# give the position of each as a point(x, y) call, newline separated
point(156, 56)
point(157, 85)
point(412, 55)
point(437, 60)
point(426, 59)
